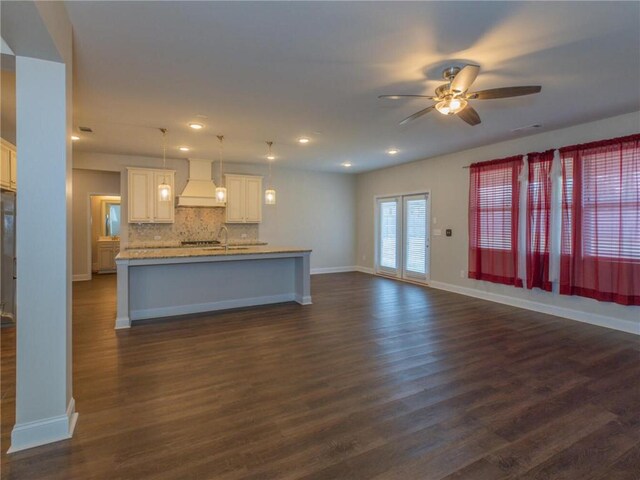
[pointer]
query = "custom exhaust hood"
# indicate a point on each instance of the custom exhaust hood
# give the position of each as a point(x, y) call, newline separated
point(200, 190)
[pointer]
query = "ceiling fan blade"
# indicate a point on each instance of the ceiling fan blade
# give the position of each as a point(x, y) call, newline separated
point(417, 114)
point(505, 92)
point(470, 115)
point(398, 97)
point(464, 78)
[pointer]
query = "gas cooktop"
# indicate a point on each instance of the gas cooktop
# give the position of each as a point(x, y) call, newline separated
point(200, 243)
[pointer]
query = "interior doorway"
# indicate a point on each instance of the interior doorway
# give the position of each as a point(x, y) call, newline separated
point(104, 231)
point(402, 236)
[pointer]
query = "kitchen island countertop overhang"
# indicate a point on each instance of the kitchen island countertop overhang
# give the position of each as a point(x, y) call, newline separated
point(165, 282)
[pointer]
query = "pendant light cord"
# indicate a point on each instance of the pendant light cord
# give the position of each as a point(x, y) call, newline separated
point(220, 138)
point(164, 153)
point(270, 162)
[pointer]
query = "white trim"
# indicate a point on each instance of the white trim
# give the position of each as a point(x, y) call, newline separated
point(5, 49)
point(213, 306)
point(577, 315)
point(361, 269)
point(322, 270)
point(82, 277)
point(122, 323)
point(48, 430)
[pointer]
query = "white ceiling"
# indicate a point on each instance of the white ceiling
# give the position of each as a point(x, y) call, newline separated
point(277, 71)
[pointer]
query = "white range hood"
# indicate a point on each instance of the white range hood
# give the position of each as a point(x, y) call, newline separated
point(200, 190)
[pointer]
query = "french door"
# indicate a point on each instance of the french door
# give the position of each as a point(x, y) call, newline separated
point(402, 236)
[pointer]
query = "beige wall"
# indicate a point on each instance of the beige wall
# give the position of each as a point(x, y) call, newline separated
point(449, 185)
point(313, 209)
point(85, 183)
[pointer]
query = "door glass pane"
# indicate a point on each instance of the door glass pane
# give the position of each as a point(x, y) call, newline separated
point(388, 234)
point(416, 235)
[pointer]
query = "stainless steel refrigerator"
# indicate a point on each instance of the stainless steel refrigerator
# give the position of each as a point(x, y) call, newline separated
point(8, 258)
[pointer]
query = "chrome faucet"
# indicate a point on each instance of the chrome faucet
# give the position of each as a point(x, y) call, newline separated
point(224, 229)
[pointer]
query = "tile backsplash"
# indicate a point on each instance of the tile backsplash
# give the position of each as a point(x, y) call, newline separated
point(191, 223)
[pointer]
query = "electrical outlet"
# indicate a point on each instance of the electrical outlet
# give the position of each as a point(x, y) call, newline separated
point(462, 274)
point(364, 257)
point(157, 237)
point(244, 235)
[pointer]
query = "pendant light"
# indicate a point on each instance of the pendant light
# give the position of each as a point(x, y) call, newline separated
point(221, 192)
point(164, 189)
point(270, 193)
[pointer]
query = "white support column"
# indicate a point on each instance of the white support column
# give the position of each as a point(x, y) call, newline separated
point(122, 317)
point(44, 403)
point(303, 279)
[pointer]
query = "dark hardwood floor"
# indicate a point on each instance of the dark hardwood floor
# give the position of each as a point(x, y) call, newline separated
point(376, 380)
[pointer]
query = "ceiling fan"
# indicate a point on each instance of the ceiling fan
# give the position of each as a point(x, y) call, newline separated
point(453, 97)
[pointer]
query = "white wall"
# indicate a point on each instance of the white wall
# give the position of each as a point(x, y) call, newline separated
point(313, 209)
point(449, 186)
point(85, 183)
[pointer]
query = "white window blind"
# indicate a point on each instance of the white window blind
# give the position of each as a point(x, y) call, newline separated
point(495, 202)
point(416, 236)
point(388, 234)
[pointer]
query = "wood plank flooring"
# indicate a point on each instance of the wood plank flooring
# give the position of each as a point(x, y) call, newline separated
point(376, 380)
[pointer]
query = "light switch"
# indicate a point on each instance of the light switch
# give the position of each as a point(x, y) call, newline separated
point(437, 232)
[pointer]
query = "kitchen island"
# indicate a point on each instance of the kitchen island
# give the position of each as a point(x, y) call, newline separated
point(165, 282)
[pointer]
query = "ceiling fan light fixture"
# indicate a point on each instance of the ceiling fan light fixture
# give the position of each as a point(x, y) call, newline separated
point(451, 106)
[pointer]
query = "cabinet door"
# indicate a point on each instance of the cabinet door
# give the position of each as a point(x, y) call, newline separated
point(105, 258)
point(253, 199)
point(140, 196)
point(5, 168)
point(235, 199)
point(14, 170)
point(163, 211)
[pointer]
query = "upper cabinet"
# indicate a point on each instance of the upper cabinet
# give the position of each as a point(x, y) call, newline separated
point(244, 198)
point(144, 204)
point(8, 166)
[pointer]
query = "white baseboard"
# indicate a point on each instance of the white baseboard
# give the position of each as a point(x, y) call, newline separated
point(320, 271)
point(82, 277)
point(361, 269)
point(304, 300)
point(122, 323)
point(577, 315)
point(173, 311)
point(41, 432)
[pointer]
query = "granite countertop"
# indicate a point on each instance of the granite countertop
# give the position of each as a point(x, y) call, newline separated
point(183, 252)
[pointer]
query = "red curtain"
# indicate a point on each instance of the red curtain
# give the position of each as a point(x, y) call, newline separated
point(600, 252)
point(494, 194)
point(538, 219)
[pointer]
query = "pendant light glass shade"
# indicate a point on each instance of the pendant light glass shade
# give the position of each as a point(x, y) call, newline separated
point(270, 196)
point(164, 192)
point(164, 189)
point(270, 193)
point(221, 194)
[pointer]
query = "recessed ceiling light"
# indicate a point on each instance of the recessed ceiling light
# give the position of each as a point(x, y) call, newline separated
point(303, 140)
point(75, 137)
point(271, 157)
point(196, 125)
point(347, 164)
point(184, 149)
point(392, 151)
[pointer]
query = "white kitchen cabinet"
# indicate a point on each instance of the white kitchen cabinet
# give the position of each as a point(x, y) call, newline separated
point(107, 252)
point(8, 166)
point(244, 198)
point(143, 203)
